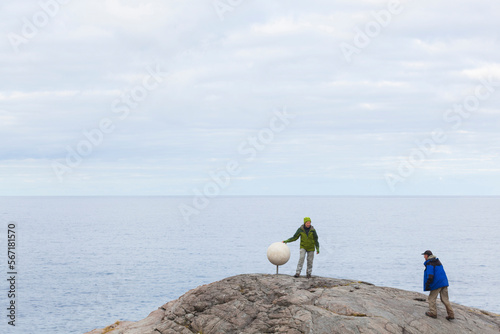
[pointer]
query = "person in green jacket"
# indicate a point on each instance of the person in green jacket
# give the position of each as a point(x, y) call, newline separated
point(308, 242)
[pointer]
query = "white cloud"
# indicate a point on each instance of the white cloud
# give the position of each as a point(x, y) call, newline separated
point(484, 72)
point(117, 8)
point(354, 121)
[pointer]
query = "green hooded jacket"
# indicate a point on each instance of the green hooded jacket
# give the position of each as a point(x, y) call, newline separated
point(308, 241)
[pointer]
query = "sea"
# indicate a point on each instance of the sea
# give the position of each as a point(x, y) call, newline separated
point(85, 262)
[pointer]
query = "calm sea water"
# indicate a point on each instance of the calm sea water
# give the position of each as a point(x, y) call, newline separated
point(85, 262)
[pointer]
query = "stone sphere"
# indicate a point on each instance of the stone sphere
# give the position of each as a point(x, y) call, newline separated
point(278, 253)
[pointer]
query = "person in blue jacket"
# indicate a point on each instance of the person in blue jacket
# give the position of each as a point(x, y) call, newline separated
point(436, 282)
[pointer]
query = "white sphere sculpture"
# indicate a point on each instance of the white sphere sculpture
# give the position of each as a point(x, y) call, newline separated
point(278, 253)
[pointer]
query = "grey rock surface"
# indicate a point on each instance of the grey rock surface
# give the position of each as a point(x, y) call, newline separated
point(260, 303)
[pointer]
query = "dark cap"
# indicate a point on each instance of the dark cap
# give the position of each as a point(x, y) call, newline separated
point(427, 252)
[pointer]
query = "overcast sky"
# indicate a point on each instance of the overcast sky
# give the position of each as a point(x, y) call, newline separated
point(250, 97)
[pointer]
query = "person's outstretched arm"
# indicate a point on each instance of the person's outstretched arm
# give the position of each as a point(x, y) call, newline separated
point(295, 237)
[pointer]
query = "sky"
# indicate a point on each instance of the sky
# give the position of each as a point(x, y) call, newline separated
point(249, 97)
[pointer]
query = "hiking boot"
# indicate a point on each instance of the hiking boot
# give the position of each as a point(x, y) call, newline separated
point(308, 276)
point(296, 275)
point(450, 317)
point(429, 314)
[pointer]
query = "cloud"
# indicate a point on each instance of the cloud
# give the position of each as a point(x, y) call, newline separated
point(224, 79)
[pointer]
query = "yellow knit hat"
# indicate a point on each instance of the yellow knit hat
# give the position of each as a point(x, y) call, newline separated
point(307, 219)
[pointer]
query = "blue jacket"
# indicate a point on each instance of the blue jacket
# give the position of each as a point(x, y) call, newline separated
point(434, 275)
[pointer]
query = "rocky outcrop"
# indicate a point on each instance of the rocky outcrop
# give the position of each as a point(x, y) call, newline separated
point(258, 303)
